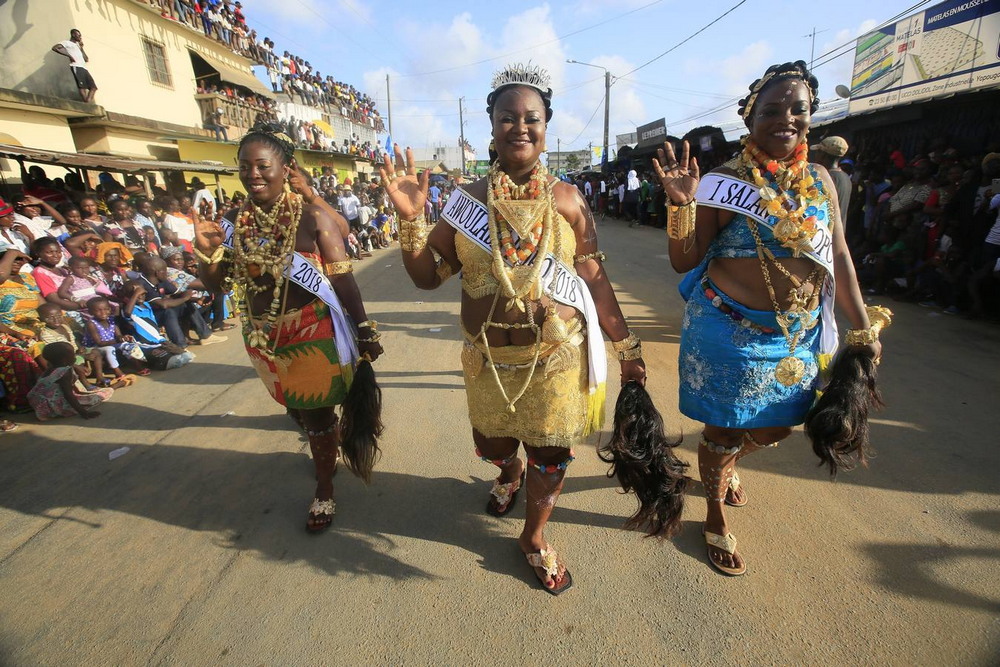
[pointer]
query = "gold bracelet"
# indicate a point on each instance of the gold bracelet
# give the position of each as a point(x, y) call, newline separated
point(338, 268)
point(413, 234)
point(374, 338)
point(879, 317)
point(217, 256)
point(631, 355)
point(860, 337)
point(598, 255)
point(630, 342)
point(443, 271)
point(369, 324)
point(681, 220)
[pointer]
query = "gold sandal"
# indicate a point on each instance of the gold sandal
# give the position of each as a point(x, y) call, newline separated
point(727, 544)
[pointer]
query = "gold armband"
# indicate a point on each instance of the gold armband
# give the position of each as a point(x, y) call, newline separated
point(629, 342)
point(413, 234)
point(443, 271)
point(338, 268)
point(680, 220)
point(217, 256)
point(598, 255)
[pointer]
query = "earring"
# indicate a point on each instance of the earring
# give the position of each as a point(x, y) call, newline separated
point(493, 146)
point(288, 188)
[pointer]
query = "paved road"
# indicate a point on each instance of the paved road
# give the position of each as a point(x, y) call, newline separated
point(190, 548)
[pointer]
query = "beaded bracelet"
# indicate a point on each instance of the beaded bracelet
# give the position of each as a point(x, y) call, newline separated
point(217, 256)
point(598, 255)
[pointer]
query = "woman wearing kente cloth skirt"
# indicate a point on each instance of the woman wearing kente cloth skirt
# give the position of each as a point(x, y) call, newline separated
point(284, 253)
point(764, 251)
point(533, 358)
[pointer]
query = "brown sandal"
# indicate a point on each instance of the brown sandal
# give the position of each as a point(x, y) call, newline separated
point(548, 560)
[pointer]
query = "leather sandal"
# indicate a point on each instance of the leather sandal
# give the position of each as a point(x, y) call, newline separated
point(504, 495)
point(734, 484)
point(548, 560)
point(727, 544)
point(321, 512)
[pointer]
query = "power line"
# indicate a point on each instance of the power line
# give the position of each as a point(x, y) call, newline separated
point(688, 38)
point(535, 46)
point(596, 109)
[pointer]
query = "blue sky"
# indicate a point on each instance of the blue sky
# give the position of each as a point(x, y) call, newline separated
point(435, 53)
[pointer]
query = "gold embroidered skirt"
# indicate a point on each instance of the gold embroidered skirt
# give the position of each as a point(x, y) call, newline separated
point(553, 410)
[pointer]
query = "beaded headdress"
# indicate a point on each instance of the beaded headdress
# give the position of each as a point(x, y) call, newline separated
point(522, 75)
point(767, 77)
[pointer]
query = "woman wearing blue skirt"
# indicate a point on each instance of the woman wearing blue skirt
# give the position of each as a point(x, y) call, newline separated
point(766, 261)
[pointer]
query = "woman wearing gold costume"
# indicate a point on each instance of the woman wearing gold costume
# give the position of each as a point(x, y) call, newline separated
point(765, 253)
point(523, 241)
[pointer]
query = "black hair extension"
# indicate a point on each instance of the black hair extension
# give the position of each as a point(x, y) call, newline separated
point(643, 461)
point(362, 425)
point(838, 422)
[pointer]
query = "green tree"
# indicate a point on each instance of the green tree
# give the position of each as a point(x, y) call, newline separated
point(572, 162)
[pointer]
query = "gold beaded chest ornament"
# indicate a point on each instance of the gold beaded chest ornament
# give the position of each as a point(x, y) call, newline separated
point(263, 244)
point(793, 196)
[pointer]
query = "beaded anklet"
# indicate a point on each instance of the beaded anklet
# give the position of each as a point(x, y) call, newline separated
point(720, 449)
point(552, 467)
point(500, 463)
point(717, 301)
point(327, 431)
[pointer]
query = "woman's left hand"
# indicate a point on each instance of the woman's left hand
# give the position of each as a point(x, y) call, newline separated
point(634, 370)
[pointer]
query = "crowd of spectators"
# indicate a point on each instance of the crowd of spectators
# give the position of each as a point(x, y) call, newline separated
point(98, 289)
point(225, 22)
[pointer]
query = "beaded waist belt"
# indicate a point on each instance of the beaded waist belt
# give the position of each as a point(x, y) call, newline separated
point(737, 317)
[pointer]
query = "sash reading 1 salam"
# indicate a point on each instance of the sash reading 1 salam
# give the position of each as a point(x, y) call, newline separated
point(732, 194)
point(738, 196)
point(469, 216)
point(301, 272)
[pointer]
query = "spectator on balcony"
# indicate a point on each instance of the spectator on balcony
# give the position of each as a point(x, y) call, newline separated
point(213, 121)
point(72, 48)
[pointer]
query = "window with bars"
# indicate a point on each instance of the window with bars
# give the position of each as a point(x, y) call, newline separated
point(156, 62)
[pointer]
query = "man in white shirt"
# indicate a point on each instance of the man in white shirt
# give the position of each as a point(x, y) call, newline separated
point(350, 206)
point(203, 196)
point(72, 48)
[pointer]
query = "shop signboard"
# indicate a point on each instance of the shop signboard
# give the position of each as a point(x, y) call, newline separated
point(652, 134)
point(952, 47)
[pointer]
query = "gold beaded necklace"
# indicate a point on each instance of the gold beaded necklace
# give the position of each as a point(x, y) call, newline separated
point(263, 244)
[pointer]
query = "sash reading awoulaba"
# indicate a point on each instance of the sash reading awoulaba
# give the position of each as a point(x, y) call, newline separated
point(469, 216)
point(739, 196)
point(301, 272)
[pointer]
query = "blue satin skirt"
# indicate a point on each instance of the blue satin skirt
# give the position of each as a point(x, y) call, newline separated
point(727, 370)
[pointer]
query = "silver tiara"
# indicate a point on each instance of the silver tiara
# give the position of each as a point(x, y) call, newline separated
point(523, 75)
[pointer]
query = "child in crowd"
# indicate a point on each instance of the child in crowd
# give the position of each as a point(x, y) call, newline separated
point(101, 333)
point(55, 393)
point(80, 286)
point(152, 243)
point(57, 331)
point(139, 321)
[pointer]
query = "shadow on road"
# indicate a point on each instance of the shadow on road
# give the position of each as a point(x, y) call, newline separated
point(909, 569)
point(258, 502)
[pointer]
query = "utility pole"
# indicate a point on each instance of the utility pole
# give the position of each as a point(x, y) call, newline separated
point(607, 115)
point(590, 154)
point(558, 153)
point(388, 104)
point(461, 131)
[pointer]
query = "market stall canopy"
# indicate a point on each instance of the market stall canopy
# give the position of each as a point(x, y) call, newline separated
point(236, 76)
point(108, 162)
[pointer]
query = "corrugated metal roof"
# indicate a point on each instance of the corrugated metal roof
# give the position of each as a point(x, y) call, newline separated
point(109, 162)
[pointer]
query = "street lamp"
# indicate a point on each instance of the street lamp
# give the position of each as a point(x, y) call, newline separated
point(607, 102)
